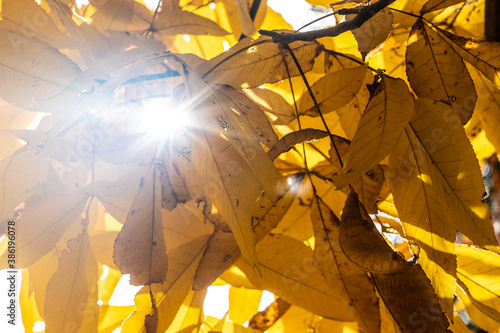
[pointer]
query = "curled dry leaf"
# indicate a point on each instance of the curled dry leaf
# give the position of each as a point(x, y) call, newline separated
point(336, 268)
point(364, 246)
point(266, 318)
point(291, 139)
point(422, 313)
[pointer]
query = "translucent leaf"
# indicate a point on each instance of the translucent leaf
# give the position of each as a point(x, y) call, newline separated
point(21, 172)
point(251, 63)
point(422, 313)
point(231, 170)
point(190, 316)
point(69, 289)
point(337, 269)
point(433, 5)
point(332, 91)
point(139, 248)
point(243, 303)
point(31, 20)
point(173, 187)
point(287, 270)
point(378, 130)
point(436, 71)
point(288, 141)
point(278, 109)
point(34, 75)
point(222, 250)
point(40, 227)
point(363, 245)
point(477, 269)
point(443, 147)
point(483, 55)
point(122, 15)
point(373, 32)
point(173, 22)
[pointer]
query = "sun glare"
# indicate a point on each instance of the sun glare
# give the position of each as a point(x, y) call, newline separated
point(161, 121)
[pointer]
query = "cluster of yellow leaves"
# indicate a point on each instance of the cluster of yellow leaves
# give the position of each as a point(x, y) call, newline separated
point(270, 158)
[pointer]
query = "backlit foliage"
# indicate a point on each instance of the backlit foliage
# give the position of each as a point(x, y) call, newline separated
point(205, 143)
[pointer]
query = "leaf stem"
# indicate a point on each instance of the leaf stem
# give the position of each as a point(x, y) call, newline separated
point(287, 47)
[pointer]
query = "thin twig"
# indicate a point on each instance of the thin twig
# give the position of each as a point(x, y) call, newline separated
point(364, 14)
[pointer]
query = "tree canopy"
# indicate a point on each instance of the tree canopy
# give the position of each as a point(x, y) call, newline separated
point(200, 143)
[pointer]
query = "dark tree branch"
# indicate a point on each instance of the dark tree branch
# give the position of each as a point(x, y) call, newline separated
point(363, 15)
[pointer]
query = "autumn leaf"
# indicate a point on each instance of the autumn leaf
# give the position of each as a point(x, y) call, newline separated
point(139, 248)
point(266, 318)
point(332, 91)
point(335, 266)
point(287, 270)
point(363, 245)
point(436, 71)
point(172, 22)
point(381, 124)
point(423, 313)
point(68, 298)
point(289, 140)
point(251, 63)
point(373, 32)
point(433, 5)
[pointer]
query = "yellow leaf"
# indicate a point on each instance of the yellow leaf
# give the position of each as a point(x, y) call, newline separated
point(251, 63)
point(477, 270)
point(243, 303)
point(433, 5)
point(418, 184)
point(488, 107)
point(28, 17)
point(41, 226)
point(337, 269)
point(111, 317)
point(139, 248)
point(453, 169)
point(288, 141)
point(368, 186)
point(378, 130)
point(436, 71)
point(483, 55)
point(27, 303)
point(485, 322)
point(122, 15)
point(278, 110)
point(190, 316)
point(34, 74)
point(287, 270)
point(373, 32)
point(40, 274)
point(173, 22)
point(222, 250)
point(422, 313)
point(469, 22)
point(173, 187)
point(266, 318)
point(169, 295)
point(70, 289)
point(363, 245)
point(21, 172)
point(333, 91)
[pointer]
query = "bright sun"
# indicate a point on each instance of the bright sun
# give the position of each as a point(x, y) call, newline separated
point(160, 120)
